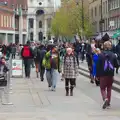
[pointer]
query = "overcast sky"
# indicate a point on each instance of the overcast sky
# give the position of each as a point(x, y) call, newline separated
point(58, 2)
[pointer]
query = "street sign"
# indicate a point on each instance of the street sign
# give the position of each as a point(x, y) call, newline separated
point(112, 23)
point(17, 69)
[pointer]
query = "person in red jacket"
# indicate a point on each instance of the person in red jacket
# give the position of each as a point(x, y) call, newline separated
point(27, 55)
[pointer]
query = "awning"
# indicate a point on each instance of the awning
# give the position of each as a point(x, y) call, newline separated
point(99, 37)
point(116, 35)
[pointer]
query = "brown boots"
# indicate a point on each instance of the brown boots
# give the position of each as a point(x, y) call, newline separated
point(67, 91)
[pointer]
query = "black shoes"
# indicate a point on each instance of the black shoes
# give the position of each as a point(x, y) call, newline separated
point(92, 81)
point(67, 91)
point(105, 104)
point(37, 74)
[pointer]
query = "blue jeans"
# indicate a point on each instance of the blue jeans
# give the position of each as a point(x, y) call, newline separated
point(52, 77)
point(49, 77)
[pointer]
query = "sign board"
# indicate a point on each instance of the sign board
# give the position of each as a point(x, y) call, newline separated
point(17, 68)
point(112, 23)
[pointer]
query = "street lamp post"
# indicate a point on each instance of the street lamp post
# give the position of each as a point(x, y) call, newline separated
point(101, 21)
point(82, 16)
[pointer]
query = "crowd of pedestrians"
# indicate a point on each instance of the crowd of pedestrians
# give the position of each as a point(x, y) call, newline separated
point(52, 60)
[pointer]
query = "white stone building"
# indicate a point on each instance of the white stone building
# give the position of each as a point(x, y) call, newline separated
point(40, 13)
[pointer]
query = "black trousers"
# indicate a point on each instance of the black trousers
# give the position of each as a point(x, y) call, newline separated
point(27, 64)
point(82, 56)
point(77, 58)
point(42, 71)
point(70, 81)
point(13, 56)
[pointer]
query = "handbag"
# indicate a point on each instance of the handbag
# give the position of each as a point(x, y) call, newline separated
point(3, 81)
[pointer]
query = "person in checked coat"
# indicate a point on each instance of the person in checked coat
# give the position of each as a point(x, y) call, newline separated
point(69, 71)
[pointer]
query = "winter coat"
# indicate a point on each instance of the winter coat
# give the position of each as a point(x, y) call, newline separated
point(101, 62)
point(13, 50)
point(70, 66)
point(95, 60)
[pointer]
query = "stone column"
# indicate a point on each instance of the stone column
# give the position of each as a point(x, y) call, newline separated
point(6, 39)
point(35, 30)
point(28, 29)
point(13, 26)
point(14, 38)
point(45, 29)
point(21, 28)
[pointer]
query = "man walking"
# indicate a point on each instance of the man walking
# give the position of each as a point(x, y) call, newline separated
point(77, 50)
point(41, 54)
point(105, 71)
point(27, 55)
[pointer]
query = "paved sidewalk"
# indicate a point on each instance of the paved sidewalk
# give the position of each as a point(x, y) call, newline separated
point(33, 101)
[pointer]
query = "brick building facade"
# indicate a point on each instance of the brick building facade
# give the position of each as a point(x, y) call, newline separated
point(13, 21)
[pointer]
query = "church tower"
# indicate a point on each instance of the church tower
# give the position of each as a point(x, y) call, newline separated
point(40, 13)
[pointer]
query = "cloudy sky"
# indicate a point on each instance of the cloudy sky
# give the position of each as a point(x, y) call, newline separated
point(58, 2)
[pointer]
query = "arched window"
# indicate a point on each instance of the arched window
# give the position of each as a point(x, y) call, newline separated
point(40, 36)
point(40, 24)
point(31, 36)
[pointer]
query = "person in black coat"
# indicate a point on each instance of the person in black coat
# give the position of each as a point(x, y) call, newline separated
point(40, 55)
point(77, 46)
point(106, 64)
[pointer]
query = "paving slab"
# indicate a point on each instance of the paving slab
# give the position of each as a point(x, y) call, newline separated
point(32, 100)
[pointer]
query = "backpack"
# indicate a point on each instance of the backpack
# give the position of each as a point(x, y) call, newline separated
point(26, 52)
point(108, 66)
point(46, 63)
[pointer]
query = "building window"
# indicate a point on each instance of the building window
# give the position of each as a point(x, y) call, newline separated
point(49, 22)
point(106, 7)
point(106, 24)
point(2, 20)
point(95, 11)
point(31, 36)
point(40, 24)
point(31, 21)
point(100, 10)
point(92, 13)
point(10, 21)
point(114, 4)
point(7, 21)
point(40, 36)
point(103, 8)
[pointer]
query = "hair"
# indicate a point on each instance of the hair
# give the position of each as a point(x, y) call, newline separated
point(2, 58)
point(107, 45)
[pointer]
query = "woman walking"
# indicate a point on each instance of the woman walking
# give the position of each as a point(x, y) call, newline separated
point(69, 71)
